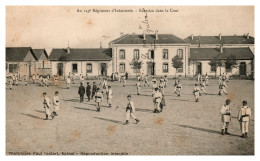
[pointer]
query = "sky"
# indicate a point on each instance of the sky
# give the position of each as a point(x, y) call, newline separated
point(57, 26)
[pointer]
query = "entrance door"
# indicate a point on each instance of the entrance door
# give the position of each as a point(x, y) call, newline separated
point(150, 68)
point(242, 68)
point(60, 69)
point(198, 68)
point(103, 69)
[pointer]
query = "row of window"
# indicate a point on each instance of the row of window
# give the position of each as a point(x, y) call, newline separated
point(75, 68)
point(165, 54)
point(165, 68)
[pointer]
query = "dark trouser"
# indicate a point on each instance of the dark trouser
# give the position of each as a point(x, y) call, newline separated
point(88, 95)
point(81, 98)
point(93, 94)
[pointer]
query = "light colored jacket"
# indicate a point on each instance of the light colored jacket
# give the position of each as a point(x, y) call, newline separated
point(244, 114)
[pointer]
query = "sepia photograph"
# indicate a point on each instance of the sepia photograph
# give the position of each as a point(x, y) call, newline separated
point(130, 80)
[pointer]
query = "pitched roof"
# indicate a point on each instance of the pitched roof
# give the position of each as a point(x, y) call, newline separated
point(211, 53)
point(224, 40)
point(80, 54)
point(17, 54)
point(150, 39)
point(39, 52)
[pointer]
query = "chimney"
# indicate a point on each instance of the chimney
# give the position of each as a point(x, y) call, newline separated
point(156, 35)
point(68, 48)
point(121, 34)
point(221, 49)
point(191, 36)
point(220, 36)
point(247, 36)
point(144, 35)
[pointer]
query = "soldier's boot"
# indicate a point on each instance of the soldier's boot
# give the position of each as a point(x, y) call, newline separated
point(137, 121)
point(55, 114)
point(222, 132)
point(154, 111)
point(246, 135)
point(46, 117)
point(226, 131)
point(126, 122)
point(52, 117)
point(242, 136)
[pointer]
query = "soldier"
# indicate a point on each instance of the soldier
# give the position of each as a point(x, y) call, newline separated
point(56, 103)
point(175, 85)
point(88, 91)
point(25, 80)
point(73, 78)
point(46, 103)
point(124, 81)
point(130, 110)
point(196, 92)
point(81, 92)
point(104, 84)
point(153, 87)
point(203, 87)
point(243, 118)
point(33, 78)
point(94, 90)
point(225, 117)
point(138, 87)
point(109, 96)
point(161, 86)
point(157, 97)
point(146, 81)
point(222, 88)
point(81, 78)
point(206, 80)
point(98, 99)
point(162, 103)
point(68, 81)
point(138, 78)
point(154, 80)
point(165, 81)
point(16, 80)
point(10, 82)
point(198, 78)
point(179, 87)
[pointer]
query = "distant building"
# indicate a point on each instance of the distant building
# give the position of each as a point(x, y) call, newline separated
point(20, 61)
point(205, 48)
point(154, 50)
point(85, 61)
point(42, 58)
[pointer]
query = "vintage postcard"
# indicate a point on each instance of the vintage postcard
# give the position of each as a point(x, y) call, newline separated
point(130, 80)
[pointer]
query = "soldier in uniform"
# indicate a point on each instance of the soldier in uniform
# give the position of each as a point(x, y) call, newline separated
point(109, 96)
point(153, 87)
point(243, 118)
point(33, 78)
point(124, 81)
point(94, 90)
point(162, 103)
point(88, 91)
point(165, 81)
point(81, 92)
point(157, 98)
point(225, 117)
point(179, 87)
point(56, 103)
point(16, 80)
point(138, 86)
point(46, 103)
point(203, 87)
point(130, 110)
point(161, 86)
point(207, 79)
point(98, 99)
point(146, 81)
point(68, 82)
point(222, 88)
point(10, 82)
point(175, 85)
point(196, 92)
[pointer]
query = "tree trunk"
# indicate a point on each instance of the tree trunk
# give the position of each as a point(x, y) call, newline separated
point(176, 73)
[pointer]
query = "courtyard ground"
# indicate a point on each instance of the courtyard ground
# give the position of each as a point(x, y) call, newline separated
point(183, 128)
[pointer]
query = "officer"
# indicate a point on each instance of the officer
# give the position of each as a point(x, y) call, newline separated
point(94, 90)
point(88, 91)
point(81, 92)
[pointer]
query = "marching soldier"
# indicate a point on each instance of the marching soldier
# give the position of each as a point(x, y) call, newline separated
point(138, 86)
point(130, 110)
point(81, 92)
point(196, 92)
point(94, 90)
point(179, 87)
point(98, 99)
point(203, 87)
point(46, 103)
point(88, 91)
point(109, 96)
point(225, 117)
point(222, 88)
point(10, 82)
point(56, 103)
point(243, 118)
point(157, 97)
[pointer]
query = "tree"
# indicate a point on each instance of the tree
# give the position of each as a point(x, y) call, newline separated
point(231, 62)
point(136, 65)
point(177, 63)
point(216, 62)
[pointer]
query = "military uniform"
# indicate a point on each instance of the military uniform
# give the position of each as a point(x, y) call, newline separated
point(206, 80)
point(138, 86)
point(222, 88)
point(10, 82)
point(196, 92)
point(157, 97)
point(175, 86)
point(98, 100)
point(94, 90)
point(130, 112)
point(109, 97)
point(203, 88)
point(243, 118)
point(81, 93)
point(46, 103)
point(161, 87)
point(146, 81)
point(225, 118)
point(68, 82)
point(88, 91)
point(179, 87)
point(56, 104)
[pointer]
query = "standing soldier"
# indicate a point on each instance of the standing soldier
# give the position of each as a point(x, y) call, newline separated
point(243, 118)
point(222, 88)
point(130, 110)
point(138, 86)
point(81, 78)
point(10, 82)
point(207, 79)
point(46, 103)
point(175, 85)
point(162, 103)
point(124, 81)
point(165, 81)
point(109, 96)
point(94, 90)
point(203, 87)
point(81, 92)
point(105, 84)
point(146, 81)
point(98, 99)
point(33, 78)
point(88, 91)
point(68, 82)
point(225, 117)
point(179, 87)
point(157, 97)
point(196, 92)
point(161, 86)
point(56, 103)
point(153, 87)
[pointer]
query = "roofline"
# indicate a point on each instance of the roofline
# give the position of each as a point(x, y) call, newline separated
point(169, 44)
point(120, 38)
point(218, 59)
point(81, 60)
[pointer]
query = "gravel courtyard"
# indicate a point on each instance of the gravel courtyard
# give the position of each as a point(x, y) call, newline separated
point(183, 128)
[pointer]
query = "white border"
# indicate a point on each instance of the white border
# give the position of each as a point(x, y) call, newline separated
point(123, 3)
